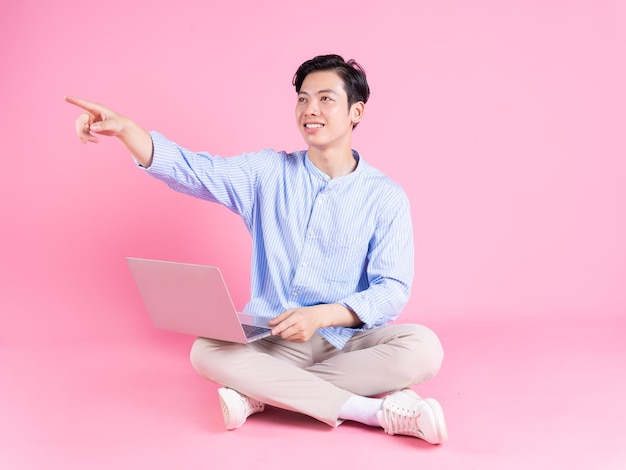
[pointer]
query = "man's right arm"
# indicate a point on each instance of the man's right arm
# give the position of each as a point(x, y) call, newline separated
point(98, 119)
point(228, 181)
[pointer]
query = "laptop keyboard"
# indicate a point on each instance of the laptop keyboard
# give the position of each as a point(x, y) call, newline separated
point(252, 330)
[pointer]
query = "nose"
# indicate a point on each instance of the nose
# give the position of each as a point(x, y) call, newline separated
point(311, 108)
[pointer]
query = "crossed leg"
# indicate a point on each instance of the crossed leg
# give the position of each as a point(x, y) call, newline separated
point(316, 379)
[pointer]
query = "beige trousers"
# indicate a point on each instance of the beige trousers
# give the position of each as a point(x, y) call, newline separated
point(316, 379)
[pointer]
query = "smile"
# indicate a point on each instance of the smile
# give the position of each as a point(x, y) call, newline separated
point(313, 126)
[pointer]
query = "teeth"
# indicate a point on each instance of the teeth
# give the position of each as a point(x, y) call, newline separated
point(313, 126)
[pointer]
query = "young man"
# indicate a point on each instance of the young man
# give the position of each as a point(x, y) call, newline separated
point(332, 265)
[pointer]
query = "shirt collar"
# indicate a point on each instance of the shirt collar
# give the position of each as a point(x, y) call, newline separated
point(334, 182)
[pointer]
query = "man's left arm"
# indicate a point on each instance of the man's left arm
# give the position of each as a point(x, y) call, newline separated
point(390, 267)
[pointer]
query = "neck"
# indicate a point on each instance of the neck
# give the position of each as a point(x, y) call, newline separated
point(334, 162)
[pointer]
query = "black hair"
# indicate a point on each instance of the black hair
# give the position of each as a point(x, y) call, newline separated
point(352, 74)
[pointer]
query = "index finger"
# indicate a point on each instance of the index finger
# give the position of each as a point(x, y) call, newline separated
point(89, 106)
point(276, 320)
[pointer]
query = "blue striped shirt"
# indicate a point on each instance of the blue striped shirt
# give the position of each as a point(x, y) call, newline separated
point(316, 240)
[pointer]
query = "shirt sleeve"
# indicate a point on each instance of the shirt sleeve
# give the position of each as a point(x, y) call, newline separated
point(390, 268)
point(229, 181)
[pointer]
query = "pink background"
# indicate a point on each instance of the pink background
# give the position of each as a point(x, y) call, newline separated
point(504, 122)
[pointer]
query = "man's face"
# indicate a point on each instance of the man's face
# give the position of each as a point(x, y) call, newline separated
point(322, 113)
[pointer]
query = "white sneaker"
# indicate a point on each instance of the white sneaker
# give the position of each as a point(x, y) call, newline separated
point(237, 407)
point(405, 412)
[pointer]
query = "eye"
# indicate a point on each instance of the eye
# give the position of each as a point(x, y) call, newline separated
point(301, 99)
point(326, 98)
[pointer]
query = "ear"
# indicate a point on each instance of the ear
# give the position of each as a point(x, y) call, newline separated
point(356, 112)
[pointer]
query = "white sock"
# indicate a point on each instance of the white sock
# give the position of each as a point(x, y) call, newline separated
point(362, 410)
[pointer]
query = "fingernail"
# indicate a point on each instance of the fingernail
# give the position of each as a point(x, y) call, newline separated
point(95, 127)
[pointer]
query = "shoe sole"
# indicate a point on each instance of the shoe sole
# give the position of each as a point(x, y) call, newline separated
point(222, 394)
point(440, 423)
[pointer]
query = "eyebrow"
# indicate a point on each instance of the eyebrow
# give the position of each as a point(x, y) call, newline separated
point(326, 90)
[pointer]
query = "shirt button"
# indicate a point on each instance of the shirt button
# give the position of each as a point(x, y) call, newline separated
point(304, 265)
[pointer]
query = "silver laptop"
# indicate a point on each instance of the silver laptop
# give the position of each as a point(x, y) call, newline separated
point(193, 299)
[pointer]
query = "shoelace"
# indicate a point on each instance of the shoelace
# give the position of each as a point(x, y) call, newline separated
point(252, 406)
point(401, 420)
